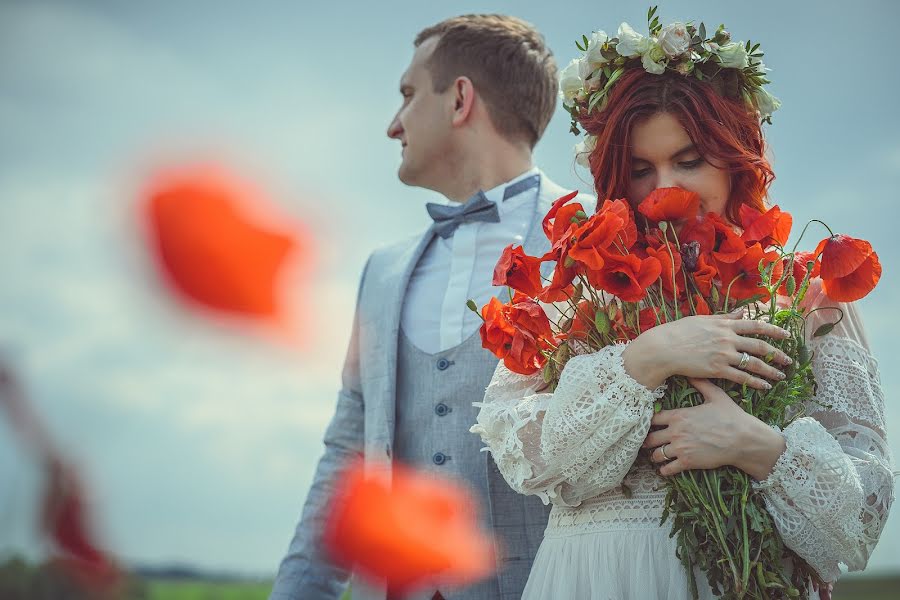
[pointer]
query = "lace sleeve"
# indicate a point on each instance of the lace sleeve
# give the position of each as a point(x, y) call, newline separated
point(575, 443)
point(831, 490)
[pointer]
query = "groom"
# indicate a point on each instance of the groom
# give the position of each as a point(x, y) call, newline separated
point(477, 96)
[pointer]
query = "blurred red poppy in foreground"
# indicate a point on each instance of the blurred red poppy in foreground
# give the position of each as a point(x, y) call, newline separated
point(213, 237)
point(412, 531)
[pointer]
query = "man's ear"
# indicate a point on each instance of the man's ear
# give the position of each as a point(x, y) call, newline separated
point(463, 99)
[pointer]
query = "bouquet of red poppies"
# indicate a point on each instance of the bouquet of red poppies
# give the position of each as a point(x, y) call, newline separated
point(616, 275)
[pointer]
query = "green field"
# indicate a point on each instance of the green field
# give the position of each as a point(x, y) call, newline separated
point(20, 581)
point(866, 588)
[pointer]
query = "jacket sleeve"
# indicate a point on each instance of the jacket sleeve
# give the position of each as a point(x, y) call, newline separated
point(306, 571)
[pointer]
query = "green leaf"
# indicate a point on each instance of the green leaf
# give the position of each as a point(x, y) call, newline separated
point(702, 31)
point(586, 41)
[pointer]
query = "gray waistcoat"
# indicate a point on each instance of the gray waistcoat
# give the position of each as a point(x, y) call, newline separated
point(434, 412)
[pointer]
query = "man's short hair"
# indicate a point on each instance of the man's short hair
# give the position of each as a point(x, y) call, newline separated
point(508, 63)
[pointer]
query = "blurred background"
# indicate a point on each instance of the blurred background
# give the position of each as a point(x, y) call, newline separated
point(197, 440)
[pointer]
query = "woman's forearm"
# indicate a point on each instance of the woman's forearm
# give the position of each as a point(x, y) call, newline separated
point(757, 448)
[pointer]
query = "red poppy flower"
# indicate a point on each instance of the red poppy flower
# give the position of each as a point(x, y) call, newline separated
point(209, 241)
point(411, 529)
point(518, 271)
point(669, 257)
point(517, 333)
point(558, 220)
point(696, 305)
point(533, 336)
point(850, 268)
point(582, 321)
point(626, 277)
point(497, 330)
point(704, 274)
point(743, 275)
point(728, 246)
point(772, 227)
point(608, 226)
point(799, 269)
point(701, 230)
point(650, 317)
point(670, 204)
point(560, 286)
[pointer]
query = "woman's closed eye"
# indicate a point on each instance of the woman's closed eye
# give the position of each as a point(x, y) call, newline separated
point(691, 164)
point(639, 173)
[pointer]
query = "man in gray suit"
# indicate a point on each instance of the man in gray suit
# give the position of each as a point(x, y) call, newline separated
point(477, 96)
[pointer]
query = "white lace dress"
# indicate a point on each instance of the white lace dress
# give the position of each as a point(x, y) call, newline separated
point(829, 493)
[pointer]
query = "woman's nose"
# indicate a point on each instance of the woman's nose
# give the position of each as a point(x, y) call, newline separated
point(665, 178)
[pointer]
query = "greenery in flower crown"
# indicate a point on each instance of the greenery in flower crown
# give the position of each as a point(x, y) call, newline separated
point(734, 69)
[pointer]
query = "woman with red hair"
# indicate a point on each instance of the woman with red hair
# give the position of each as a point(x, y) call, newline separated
point(676, 110)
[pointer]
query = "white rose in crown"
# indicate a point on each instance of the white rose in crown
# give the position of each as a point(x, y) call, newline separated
point(571, 82)
point(766, 103)
point(654, 60)
point(585, 68)
point(674, 39)
point(594, 55)
point(583, 150)
point(631, 43)
point(733, 55)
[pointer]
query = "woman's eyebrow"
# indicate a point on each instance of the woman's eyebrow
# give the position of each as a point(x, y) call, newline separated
point(689, 148)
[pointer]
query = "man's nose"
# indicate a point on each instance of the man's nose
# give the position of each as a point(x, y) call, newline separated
point(394, 129)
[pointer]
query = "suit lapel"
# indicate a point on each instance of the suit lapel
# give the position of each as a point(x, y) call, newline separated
point(390, 296)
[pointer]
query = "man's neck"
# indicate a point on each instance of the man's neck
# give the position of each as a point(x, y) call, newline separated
point(485, 171)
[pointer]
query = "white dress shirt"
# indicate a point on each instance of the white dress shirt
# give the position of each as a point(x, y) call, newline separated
point(453, 270)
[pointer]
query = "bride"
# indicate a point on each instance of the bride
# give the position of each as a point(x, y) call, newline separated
point(826, 479)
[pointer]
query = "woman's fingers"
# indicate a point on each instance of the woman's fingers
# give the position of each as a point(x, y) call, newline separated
point(656, 438)
point(745, 377)
point(754, 327)
point(762, 348)
point(672, 468)
point(755, 365)
point(663, 453)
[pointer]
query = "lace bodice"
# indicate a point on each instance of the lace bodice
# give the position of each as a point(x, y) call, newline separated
point(829, 493)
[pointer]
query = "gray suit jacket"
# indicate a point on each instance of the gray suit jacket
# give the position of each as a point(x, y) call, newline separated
point(363, 424)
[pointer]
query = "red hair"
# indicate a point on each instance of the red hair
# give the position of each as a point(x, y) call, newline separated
point(722, 129)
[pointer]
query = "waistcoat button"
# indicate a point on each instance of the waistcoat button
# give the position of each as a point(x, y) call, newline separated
point(439, 458)
point(442, 409)
point(443, 363)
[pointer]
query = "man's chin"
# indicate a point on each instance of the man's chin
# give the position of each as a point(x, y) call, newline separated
point(405, 175)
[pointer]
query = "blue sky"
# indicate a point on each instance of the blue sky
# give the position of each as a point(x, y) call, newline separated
point(199, 442)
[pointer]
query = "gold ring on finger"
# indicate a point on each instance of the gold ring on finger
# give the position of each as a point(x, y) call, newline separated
point(745, 358)
point(662, 450)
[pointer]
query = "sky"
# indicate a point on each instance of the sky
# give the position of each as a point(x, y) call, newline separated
point(198, 441)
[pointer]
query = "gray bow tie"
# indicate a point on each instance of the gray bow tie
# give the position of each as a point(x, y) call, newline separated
point(448, 218)
point(477, 208)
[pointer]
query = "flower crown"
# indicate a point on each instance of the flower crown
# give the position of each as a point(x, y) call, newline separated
point(732, 68)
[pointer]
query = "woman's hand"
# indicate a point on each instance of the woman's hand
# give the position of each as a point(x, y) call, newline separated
point(714, 434)
point(706, 346)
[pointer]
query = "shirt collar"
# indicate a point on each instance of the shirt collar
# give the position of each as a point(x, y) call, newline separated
point(496, 194)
